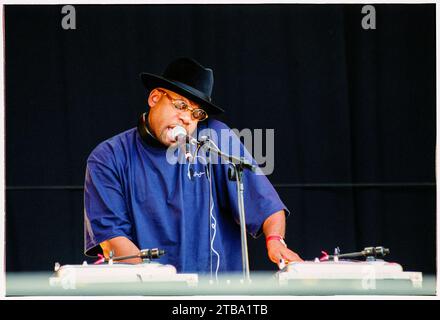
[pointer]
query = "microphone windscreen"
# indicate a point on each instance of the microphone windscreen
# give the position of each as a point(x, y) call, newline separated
point(178, 131)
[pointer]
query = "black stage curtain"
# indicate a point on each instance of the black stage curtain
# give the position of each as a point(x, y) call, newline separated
point(353, 112)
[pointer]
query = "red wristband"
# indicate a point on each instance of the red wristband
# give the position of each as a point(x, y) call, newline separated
point(275, 237)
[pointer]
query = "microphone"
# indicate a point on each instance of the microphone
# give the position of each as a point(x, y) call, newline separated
point(179, 133)
point(149, 254)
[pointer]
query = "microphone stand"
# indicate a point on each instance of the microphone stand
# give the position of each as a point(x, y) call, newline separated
point(236, 174)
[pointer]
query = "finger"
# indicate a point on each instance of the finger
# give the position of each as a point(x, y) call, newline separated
point(291, 256)
point(275, 258)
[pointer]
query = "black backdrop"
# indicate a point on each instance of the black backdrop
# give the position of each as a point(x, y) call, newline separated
point(353, 112)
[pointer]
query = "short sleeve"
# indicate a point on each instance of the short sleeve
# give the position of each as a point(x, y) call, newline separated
point(260, 197)
point(105, 212)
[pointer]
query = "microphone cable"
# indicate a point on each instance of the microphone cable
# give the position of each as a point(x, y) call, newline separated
point(212, 220)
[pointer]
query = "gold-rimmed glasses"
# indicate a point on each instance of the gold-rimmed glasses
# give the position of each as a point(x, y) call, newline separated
point(197, 113)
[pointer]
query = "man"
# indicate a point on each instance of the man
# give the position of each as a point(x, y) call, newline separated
point(136, 199)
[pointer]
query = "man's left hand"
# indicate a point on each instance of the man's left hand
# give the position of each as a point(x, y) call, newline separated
point(276, 251)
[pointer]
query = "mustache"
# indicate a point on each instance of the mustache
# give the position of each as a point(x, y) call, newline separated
point(173, 125)
point(165, 131)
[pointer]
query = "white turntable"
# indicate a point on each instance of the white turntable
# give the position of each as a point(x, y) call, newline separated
point(336, 268)
point(72, 276)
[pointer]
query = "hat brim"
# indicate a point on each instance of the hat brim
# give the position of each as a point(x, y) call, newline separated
point(152, 81)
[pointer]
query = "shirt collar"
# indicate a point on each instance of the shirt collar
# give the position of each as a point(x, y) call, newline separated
point(146, 134)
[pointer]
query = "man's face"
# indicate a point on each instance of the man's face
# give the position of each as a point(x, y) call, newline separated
point(164, 116)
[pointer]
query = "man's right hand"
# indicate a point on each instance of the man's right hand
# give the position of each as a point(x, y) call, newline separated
point(121, 246)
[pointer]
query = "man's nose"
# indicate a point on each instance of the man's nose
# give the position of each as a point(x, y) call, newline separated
point(185, 116)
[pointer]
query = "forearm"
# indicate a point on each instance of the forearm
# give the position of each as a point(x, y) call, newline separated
point(275, 224)
point(121, 246)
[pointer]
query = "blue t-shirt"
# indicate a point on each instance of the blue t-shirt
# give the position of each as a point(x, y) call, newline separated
point(131, 190)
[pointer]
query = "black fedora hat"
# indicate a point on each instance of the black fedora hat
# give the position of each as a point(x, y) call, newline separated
point(188, 78)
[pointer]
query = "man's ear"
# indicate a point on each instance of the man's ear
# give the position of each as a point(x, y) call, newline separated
point(154, 97)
